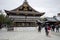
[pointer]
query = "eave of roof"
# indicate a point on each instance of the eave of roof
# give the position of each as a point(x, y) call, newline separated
point(22, 11)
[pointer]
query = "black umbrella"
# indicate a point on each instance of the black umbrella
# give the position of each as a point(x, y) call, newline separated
point(38, 23)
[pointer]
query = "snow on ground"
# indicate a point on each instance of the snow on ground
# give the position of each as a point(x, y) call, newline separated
point(25, 29)
point(28, 33)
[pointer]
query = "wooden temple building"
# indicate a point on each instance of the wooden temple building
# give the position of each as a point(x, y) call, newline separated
point(24, 15)
point(55, 20)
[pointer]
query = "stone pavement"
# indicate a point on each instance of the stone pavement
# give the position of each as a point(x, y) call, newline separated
point(31, 34)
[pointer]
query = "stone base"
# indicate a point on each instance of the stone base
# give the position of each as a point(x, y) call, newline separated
point(10, 29)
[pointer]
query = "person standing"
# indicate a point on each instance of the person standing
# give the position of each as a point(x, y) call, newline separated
point(53, 27)
point(39, 28)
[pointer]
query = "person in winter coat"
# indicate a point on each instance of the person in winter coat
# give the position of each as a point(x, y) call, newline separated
point(57, 28)
point(47, 29)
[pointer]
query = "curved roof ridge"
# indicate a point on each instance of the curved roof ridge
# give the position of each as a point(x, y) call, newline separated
point(25, 7)
point(25, 3)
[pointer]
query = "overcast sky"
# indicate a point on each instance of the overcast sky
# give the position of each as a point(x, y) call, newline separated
point(50, 7)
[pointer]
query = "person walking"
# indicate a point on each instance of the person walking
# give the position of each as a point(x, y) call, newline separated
point(57, 28)
point(47, 30)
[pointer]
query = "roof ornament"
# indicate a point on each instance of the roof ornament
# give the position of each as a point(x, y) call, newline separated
point(25, 1)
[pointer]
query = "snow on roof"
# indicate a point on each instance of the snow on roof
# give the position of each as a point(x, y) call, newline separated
point(51, 19)
point(58, 18)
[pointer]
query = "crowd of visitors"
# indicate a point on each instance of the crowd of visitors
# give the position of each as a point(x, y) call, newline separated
point(48, 28)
